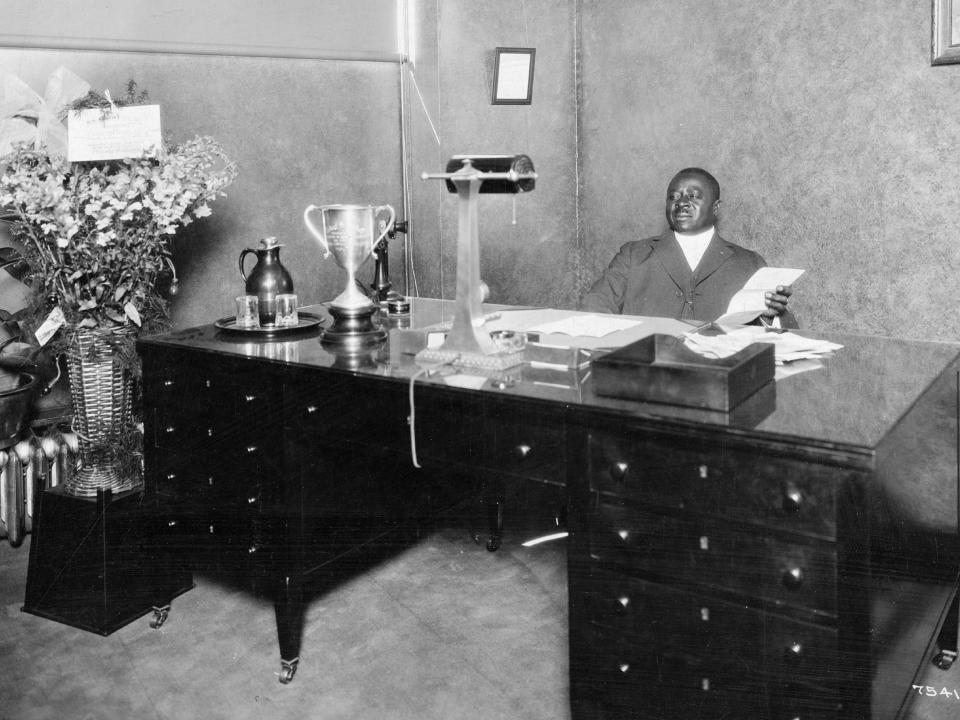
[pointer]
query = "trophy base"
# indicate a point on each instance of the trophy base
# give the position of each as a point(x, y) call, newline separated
point(353, 327)
point(494, 361)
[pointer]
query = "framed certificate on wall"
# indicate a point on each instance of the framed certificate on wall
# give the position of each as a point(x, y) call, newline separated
point(513, 76)
point(946, 32)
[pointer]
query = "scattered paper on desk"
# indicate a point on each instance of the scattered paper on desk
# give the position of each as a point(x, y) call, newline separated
point(462, 380)
point(750, 301)
point(587, 325)
point(788, 346)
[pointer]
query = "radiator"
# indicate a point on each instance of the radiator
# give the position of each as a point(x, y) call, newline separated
point(25, 469)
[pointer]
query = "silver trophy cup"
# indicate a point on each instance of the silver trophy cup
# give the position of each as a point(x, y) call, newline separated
point(347, 232)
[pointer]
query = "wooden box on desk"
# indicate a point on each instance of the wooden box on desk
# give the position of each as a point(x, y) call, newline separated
point(660, 368)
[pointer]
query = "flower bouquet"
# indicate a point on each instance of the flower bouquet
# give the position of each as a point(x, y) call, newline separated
point(96, 235)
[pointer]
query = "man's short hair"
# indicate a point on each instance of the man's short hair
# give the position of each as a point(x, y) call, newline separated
point(708, 178)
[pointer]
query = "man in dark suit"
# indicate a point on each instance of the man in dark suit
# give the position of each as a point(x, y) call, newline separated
point(689, 272)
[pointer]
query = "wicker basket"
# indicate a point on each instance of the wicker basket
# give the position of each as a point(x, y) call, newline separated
point(101, 394)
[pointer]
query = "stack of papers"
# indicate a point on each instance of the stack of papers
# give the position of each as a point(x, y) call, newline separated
point(586, 325)
point(788, 347)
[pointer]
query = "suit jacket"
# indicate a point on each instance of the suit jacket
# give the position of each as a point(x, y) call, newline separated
point(653, 277)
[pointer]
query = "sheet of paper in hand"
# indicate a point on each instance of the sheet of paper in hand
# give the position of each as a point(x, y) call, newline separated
point(749, 302)
point(124, 132)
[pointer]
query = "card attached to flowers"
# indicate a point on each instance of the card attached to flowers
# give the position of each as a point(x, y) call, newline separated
point(96, 134)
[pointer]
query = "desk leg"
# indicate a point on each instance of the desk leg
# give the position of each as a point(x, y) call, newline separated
point(289, 608)
point(494, 499)
point(948, 638)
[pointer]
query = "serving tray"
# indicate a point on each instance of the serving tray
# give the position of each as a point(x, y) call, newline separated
point(307, 321)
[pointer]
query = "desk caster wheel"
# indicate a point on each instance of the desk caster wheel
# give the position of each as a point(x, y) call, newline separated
point(944, 659)
point(476, 538)
point(160, 615)
point(288, 668)
point(493, 544)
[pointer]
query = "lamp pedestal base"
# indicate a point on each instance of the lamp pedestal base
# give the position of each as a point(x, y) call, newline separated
point(482, 361)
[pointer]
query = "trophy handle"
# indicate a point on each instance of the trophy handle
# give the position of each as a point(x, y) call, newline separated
point(312, 228)
point(387, 228)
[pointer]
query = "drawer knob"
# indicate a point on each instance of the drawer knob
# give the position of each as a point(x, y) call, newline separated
point(171, 476)
point(792, 499)
point(521, 451)
point(172, 523)
point(623, 600)
point(169, 429)
point(704, 472)
point(251, 500)
point(705, 614)
point(252, 549)
point(624, 667)
point(311, 409)
point(168, 383)
point(794, 651)
point(623, 534)
point(249, 398)
point(251, 449)
point(619, 471)
point(793, 578)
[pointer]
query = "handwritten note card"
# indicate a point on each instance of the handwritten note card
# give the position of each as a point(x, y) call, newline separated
point(130, 131)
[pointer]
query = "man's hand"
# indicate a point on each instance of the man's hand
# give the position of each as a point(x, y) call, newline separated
point(777, 301)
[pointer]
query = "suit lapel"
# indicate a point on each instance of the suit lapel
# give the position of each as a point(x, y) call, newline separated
point(670, 256)
point(717, 253)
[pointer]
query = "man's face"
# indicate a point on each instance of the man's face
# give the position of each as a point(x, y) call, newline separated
point(691, 204)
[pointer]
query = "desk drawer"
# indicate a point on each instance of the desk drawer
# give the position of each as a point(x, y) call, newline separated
point(199, 410)
point(659, 616)
point(710, 553)
point(354, 414)
point(743, 485)
point(530, 447)
point(633, 680)
point(220, 474)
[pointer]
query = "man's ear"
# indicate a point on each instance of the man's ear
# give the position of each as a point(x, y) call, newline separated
point(716, 208)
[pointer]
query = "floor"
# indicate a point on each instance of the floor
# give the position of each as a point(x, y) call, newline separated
point(443, 631)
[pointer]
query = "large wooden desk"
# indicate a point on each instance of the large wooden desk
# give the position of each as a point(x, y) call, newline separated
point(795, 558)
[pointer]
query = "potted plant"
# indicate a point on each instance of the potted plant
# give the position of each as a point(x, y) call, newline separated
point(96, 236)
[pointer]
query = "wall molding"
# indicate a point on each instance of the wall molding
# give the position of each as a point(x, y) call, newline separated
point(180, 48)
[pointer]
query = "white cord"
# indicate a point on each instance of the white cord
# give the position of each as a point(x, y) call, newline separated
point(411, 418)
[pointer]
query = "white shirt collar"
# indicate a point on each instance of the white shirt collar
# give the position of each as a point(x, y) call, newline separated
point(694, 245)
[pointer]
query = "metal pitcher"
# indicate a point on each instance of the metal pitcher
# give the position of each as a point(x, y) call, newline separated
point(268, 278)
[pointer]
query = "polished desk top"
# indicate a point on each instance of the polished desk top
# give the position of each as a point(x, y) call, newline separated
point(851, 402)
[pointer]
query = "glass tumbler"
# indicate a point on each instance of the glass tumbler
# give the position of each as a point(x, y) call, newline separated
point(248, 311)
point(287, 310)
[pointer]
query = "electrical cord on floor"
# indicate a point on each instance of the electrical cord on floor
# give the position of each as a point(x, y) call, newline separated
point(411, 418)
